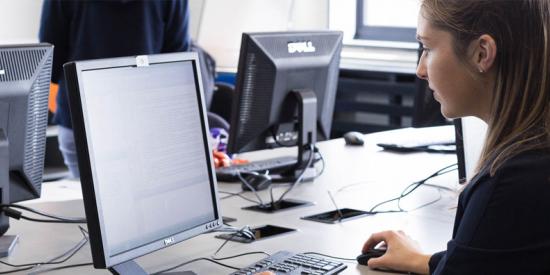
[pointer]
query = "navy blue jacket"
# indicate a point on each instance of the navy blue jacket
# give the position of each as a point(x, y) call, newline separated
point(502, 223)
point(82, 30)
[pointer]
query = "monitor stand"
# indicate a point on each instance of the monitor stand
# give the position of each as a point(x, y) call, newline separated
point(132, 268)
point(306, 103)
point(7, 243)
point(307, 136)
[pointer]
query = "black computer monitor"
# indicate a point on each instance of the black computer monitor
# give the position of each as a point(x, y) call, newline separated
point(470, 139)
point(25, 72)
point(285, 91)
point(145, 164)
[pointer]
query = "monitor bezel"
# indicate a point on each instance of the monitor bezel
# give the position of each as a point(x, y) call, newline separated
point(101, 257)
point(460, 151)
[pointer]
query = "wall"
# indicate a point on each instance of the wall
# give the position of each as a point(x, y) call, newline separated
point(223, 22)
point(196, 9)
point(217, 25)
point(19, 21)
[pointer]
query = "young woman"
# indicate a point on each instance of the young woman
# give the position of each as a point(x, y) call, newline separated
point(489, 59)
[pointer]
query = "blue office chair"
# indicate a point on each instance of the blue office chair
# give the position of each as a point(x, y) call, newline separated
point(222, 99)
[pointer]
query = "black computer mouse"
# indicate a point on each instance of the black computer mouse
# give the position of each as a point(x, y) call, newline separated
point(257, 181)
point(354, 138)
point(364, 258)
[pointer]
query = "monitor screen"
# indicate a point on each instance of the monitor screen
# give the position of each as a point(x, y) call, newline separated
point(271, 66)
point(141, 138)
point(470, 138)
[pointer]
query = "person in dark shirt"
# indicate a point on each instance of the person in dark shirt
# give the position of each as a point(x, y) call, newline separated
point(90, 29)
point(489, 59)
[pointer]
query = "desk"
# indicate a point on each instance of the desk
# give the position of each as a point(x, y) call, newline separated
point(358, 177)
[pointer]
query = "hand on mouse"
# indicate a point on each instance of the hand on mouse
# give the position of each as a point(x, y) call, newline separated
point(402, 254)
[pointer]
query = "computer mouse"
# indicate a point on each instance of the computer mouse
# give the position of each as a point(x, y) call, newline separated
point(364, 258)
point(354, 138)
point(257, 181)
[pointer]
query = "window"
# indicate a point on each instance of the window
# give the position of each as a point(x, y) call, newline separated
point(387, 20)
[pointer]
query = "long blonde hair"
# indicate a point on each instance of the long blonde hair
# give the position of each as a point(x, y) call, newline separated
point(520, 111)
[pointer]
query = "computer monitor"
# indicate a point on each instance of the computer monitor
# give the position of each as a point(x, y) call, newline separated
point(145, 164)
point(285, 91)
point(470, 138)
point(25, 72)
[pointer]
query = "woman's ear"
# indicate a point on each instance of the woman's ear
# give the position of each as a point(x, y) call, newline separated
point(485, 51)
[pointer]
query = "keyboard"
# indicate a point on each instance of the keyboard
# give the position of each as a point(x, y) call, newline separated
point(273, 165)
point(288, 263)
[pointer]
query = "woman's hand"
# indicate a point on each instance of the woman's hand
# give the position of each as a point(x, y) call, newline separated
point(402, 254)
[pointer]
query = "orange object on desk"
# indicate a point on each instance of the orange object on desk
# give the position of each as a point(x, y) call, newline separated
point(221, 159)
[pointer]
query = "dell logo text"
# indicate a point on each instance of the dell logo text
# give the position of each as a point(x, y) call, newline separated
point(168, 241)
point(301, 47)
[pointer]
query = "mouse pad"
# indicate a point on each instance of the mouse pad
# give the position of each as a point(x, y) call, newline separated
point(261, 232)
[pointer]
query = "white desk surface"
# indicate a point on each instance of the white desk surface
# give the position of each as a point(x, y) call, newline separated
point(358, 177)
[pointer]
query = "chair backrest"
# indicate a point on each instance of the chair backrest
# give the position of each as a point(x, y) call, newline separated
point(222, 99)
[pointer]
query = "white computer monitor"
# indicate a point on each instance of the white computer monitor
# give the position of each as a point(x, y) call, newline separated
point(470, 138)
point(146, 169)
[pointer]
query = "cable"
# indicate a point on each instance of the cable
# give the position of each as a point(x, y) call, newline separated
point(47, 221)
point(61, 218)
point(300, 177)
point(60, 268)
point(231, 195)
point(17, 270)
point(192, 261)
point(244, 230)
point(328, 256)
point(12, 213)
point(440, 187)
point(240, 255)
point(417, 184)
point(295, 144)
point(421, 206)
point(239, 195)
point(382, 203)
point(322, 162)
point(245, 182)
point(71, 252)
point(68, 255)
